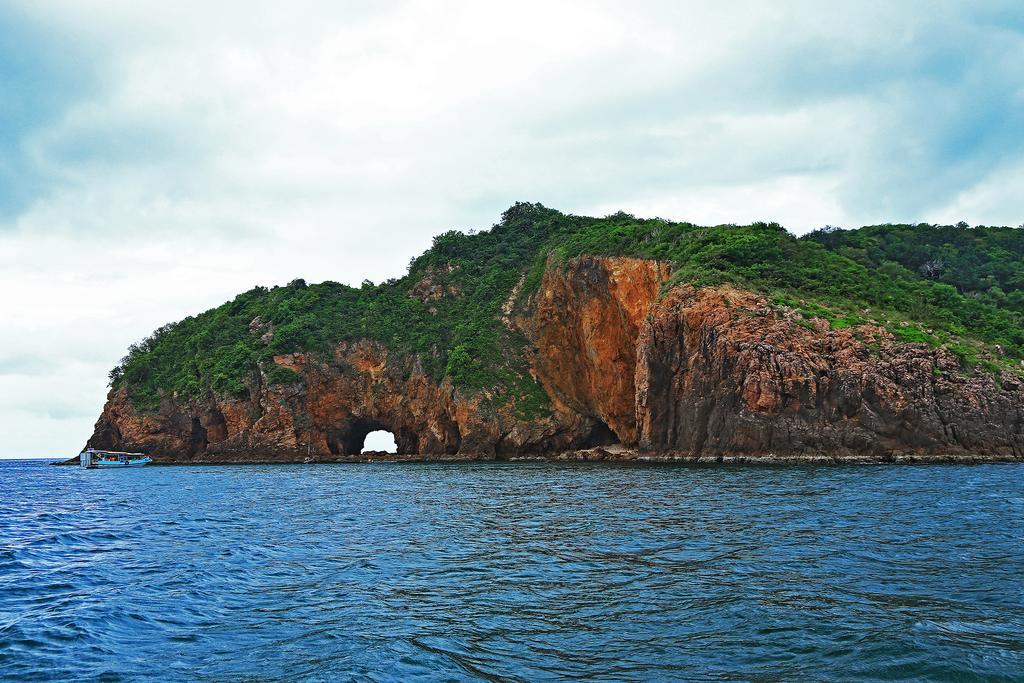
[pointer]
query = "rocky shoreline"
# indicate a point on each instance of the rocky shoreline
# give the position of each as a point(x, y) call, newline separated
point(608, 455)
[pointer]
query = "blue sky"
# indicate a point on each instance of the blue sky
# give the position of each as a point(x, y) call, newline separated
point(157, 158)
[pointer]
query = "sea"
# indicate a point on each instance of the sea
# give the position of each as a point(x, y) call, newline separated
point(512, 572)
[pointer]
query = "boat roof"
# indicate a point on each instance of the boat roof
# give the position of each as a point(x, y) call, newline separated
point(96, 450)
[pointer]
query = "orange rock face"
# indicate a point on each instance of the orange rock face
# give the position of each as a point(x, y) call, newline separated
point(585, 323)
point(696, 372)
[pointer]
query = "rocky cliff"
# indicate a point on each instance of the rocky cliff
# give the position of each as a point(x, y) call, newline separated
point(631, 368)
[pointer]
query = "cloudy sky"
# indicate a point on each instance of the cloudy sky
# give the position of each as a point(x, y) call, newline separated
point(158, 157)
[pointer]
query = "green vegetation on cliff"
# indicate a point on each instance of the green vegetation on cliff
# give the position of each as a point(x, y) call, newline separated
point(983, 263)
point(951, 285)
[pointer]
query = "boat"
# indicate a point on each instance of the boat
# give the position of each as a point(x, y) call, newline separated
point(91, 458)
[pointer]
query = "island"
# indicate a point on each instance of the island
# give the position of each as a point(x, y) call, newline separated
point(553, 335)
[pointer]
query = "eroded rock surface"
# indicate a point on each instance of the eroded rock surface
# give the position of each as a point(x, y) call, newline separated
point(719, 372)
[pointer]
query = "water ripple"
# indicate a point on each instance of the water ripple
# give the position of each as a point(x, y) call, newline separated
point(519, 572)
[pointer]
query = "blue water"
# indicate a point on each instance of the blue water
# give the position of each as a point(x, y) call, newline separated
point(512, 571)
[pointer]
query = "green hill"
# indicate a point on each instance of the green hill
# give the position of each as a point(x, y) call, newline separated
point(943, 285)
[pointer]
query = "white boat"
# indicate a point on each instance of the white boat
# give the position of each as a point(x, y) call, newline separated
point(91, 458)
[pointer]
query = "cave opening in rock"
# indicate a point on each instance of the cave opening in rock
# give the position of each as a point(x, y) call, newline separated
point(362, 434)
point(198, 440)
point(600, 435)
point(380, 440)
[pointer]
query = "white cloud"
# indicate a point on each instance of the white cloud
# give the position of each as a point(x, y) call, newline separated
point(770, 200)
point(222, 145)
point(996, 200)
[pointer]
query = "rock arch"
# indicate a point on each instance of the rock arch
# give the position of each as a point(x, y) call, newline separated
point(348, 439)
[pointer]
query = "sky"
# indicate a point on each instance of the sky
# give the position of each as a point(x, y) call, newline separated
point(158, 158)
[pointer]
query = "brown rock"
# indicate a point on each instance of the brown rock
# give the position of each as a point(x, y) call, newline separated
point(631, 373)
